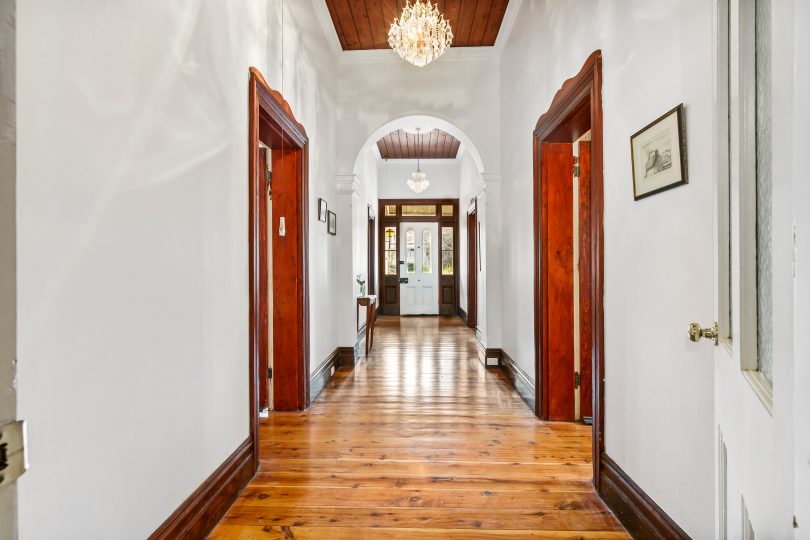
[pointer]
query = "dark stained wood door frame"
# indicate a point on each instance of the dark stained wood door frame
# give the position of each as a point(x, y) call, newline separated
point(271, 122)
point(472, 265)
point(390, 308)
point(372, 250)
point(575, 109)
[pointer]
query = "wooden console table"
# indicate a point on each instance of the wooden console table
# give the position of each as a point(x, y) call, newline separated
point(370, 303)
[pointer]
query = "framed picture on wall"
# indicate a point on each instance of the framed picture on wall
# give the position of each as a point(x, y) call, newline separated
point(321, 210)
point(658, 155)
point(331, 225)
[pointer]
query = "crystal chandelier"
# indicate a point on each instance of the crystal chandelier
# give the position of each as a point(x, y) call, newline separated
point(421, 34)
point(418, 181)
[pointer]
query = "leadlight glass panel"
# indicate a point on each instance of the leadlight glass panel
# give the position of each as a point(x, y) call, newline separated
point(418, 210)
point(447, 251)
point(390, 251)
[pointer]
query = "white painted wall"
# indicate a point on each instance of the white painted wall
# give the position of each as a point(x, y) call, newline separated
point(460, 90)
point(443, 174)
point(8, 252)
point(659, 426)
point(132, 246)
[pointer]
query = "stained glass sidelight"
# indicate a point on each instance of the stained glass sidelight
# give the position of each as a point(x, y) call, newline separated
point(447, 251)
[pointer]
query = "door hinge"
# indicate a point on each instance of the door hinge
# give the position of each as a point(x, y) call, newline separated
point(269, 373)
point(576, 379)
point(13, 458)
point(576, 166)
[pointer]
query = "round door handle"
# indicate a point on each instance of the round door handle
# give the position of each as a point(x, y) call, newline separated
point(696, 333)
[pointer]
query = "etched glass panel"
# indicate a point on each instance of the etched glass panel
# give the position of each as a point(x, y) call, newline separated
point(447, 210)
point(390, 263)
point(427, 252)
point(447, 251)
point(764, 188)
point(390, 210)
point(410, 251)
point(418, 210)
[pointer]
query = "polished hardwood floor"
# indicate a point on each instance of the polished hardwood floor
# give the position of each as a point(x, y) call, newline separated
point(420, 441)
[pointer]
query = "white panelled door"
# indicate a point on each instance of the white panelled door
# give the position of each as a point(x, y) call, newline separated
point(419, 270)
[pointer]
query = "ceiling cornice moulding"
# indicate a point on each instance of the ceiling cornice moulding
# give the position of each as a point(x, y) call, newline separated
point(508, 22)
point(329, 28)
point(376, 56)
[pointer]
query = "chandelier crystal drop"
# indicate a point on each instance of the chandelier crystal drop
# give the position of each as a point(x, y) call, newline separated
point(421, 34)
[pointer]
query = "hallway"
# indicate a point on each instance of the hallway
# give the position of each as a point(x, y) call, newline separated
point(420, 440)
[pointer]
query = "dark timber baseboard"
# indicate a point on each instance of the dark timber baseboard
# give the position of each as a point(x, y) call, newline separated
point(200, 513)
point(635, 509)
point(463, 315)
point(519, 379)
point(348, 356)
point(320, 377)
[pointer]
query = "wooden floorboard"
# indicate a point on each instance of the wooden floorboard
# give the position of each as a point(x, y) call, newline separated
point(420, 441)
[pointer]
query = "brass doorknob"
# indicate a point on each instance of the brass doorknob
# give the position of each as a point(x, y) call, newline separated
point(696, 332)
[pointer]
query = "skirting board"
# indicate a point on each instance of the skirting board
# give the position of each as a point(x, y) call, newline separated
point(463, 315)
point(519, 379)
point(348, 357)
point(200, 513)
point(321, 376)
point(635, 509)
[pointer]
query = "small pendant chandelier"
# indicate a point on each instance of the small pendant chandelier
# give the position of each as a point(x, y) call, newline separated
point(418, 181)
point(421, 34)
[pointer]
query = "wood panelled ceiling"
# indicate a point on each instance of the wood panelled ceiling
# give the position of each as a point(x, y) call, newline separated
point(437, 144)
point(364, 24)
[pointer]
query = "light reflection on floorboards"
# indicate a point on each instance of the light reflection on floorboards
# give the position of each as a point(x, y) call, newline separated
point(420, 440)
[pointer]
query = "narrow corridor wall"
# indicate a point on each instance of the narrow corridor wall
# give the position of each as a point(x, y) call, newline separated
point(132, 237)
point(655, 55)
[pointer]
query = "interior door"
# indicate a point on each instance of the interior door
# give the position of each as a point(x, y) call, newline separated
point(584, 260)
point(558, 261)
point(419, 272)
point(752, 499)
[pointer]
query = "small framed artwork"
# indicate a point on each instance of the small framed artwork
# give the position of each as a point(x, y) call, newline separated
point(658, 154)
point(331, 224)
point(321, 210)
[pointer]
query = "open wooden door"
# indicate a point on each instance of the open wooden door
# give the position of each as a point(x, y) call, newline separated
point(558, 281)
point(585, 274)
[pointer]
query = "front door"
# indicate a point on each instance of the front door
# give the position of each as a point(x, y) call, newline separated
point(418, 272)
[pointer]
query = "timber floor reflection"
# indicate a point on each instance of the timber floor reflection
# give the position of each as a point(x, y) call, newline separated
point(420, 440)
